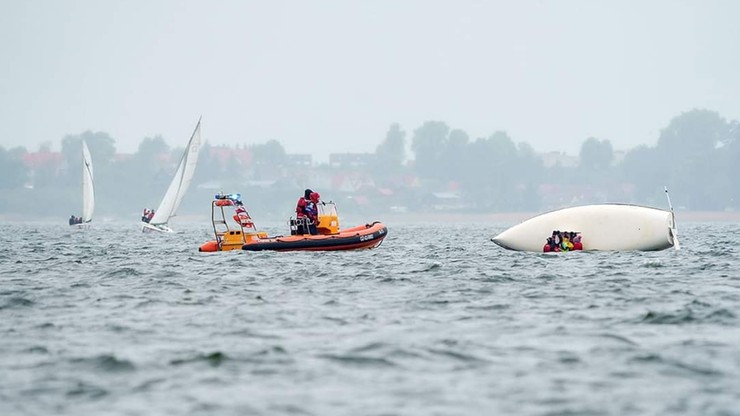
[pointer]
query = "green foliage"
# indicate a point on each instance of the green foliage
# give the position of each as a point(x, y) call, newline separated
point(692, 133)
point(391, 153)
point(596, 155)
point(13, 172)
point(689, 149)
point(429, 144)
point(697, 156)
point(454, 161)
point(270, 153)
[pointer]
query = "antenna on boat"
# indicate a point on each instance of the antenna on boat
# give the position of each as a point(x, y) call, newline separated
point(676, 244)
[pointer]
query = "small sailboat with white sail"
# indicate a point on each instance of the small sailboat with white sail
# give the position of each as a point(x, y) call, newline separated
point(88, 191)
point(167, 209)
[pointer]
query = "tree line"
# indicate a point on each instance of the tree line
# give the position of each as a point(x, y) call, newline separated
point(697, 155)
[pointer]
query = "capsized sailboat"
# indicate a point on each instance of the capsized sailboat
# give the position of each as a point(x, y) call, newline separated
point(604, 227)
point(179, 185)
point(88, 189)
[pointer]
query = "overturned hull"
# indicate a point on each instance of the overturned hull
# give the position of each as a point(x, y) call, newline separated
point(607, 227)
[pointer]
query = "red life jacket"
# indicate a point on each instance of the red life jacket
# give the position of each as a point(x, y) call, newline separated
point(300, 208)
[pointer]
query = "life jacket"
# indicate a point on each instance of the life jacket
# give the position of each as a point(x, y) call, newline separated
point(243, 219)
point(566, 245)
point(311, 211)
point(300, 208)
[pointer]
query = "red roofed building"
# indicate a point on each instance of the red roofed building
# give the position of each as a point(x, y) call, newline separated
point(224, 154)
point(38, 159)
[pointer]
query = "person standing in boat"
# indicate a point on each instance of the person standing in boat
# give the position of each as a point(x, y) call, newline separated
point(312, 212)
point(300, 212)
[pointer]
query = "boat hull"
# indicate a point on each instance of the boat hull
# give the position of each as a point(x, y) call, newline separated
point(151, 228)
point(607, 227)
point(361, 237)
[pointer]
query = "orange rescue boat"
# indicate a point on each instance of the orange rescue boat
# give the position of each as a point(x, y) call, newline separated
point(328, 238)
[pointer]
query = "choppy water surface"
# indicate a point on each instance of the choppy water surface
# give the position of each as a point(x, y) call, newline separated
point(438, 320)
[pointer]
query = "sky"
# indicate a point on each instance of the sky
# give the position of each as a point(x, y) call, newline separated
point(333, 75)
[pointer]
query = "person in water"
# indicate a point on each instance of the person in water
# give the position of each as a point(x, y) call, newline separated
point(548, 247)
point(576, 240)
point(566, 245)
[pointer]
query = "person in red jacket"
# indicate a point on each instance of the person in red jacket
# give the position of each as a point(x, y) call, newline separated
point(576, 240)
point(301, 214)
point(312, 212)
point(300, 208)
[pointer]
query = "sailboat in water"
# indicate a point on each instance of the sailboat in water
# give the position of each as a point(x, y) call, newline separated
point(176, 191)
point(88, 191)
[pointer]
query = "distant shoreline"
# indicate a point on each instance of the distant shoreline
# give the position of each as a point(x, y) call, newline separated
point(516, 217)
point(416, 218)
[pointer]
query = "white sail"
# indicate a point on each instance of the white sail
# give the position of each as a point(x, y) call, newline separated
point(180, 182)
point(88, 188)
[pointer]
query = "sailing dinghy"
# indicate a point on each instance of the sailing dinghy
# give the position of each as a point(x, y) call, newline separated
point(88, 189)
point(606, 227)
point(179, 185)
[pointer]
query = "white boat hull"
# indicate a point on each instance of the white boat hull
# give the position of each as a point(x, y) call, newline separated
point(608, 227)
point(151, 228)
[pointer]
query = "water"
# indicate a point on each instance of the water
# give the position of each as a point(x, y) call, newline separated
point(437, 321)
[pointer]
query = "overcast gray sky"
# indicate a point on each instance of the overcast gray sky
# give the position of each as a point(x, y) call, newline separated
point(323, 76)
